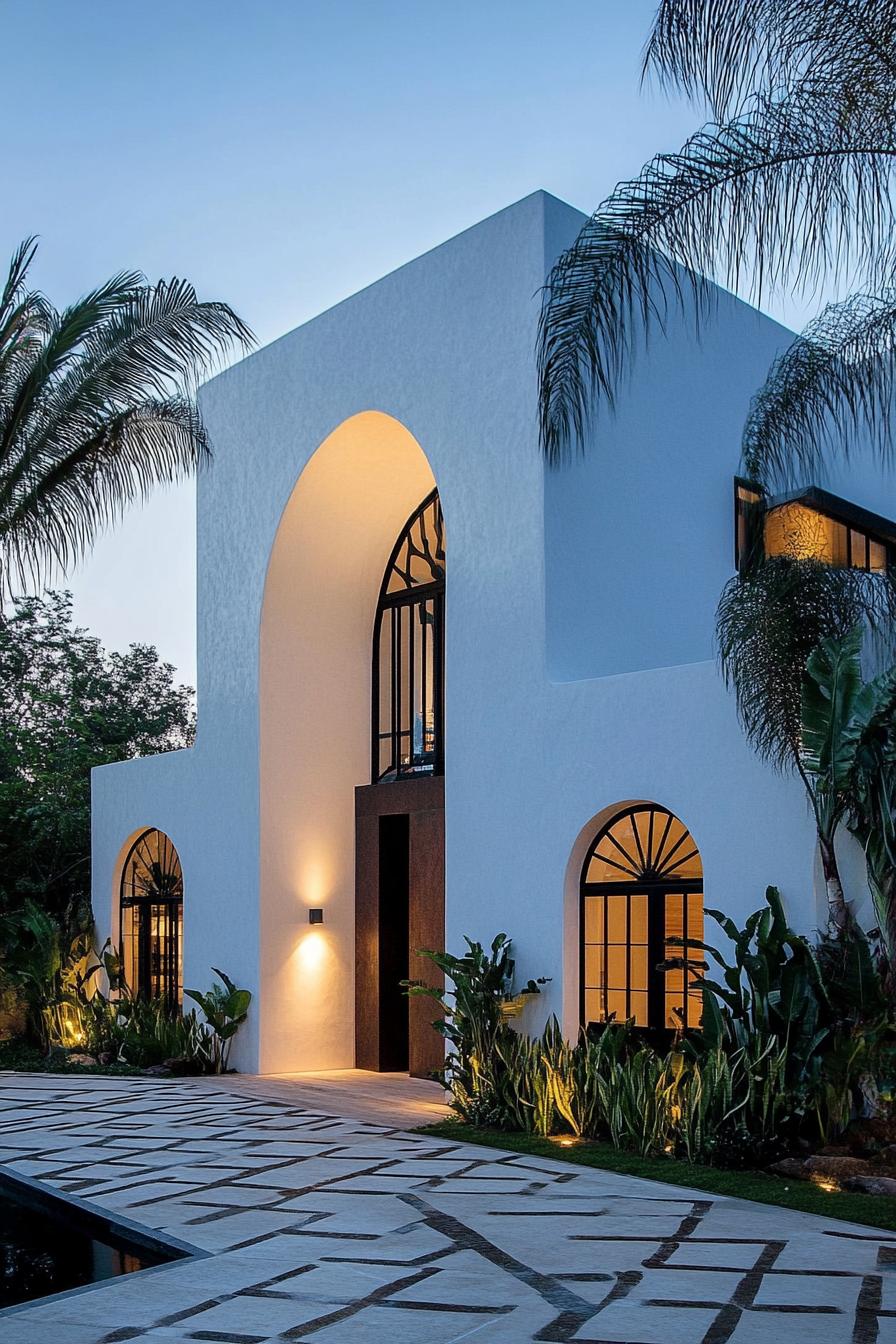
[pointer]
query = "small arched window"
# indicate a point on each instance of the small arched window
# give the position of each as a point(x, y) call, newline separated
point(152, 902)
point(409, 652)
point(642, 887)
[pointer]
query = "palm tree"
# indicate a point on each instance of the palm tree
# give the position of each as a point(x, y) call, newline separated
point(772, 618)
point(790, 183)
point(97, 405)
point(848, 760)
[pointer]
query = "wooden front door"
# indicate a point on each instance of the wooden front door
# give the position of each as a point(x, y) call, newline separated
point(399, 907)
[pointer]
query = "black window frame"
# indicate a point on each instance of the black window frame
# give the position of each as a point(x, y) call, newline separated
point(424, 603)
point(158, 964)
point(656, 887)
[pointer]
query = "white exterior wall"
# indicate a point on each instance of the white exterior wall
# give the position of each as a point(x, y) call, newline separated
point(580, 612)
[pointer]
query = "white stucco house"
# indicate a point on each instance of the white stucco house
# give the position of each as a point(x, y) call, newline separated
point(446, 690)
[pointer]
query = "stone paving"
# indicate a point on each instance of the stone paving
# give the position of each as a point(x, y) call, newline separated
point(333, 1228)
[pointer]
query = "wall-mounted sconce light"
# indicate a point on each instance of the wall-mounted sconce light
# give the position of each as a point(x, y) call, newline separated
point(315, 916)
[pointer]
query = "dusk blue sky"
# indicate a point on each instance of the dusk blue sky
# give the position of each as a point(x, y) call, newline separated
point(284, 153)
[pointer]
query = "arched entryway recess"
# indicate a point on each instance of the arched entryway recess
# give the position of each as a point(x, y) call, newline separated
point(323, 582)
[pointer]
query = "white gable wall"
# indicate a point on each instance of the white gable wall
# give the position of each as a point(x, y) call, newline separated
point(579, 636)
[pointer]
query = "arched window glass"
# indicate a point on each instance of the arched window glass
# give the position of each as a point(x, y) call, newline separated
point(152, 901)
point(642, 887)
point(409, 651)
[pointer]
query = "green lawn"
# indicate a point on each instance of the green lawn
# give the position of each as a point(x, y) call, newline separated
point(873, 1210)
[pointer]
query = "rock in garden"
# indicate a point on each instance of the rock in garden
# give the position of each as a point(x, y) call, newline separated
point(872, 1185)
point(837, 1168)
point(792, 1167)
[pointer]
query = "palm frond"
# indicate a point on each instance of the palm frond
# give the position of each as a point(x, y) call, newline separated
point(57, 344)
point(768, 622)
point(62, 509)
point(789, 192)
point(14, 290)
point(165, 335)
point(97, 405)
point(25, 315)
point(161, 342)
point(724, 51)
point(832, 391)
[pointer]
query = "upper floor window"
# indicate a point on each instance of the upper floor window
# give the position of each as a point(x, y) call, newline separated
point(409, 651)
point(811, 524)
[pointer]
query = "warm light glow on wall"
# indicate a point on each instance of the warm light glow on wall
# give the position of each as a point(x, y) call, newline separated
point(312, 952)
point(314, 878)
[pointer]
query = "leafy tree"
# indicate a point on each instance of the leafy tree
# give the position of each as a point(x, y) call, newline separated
point(97, 406)
point(790, 184)
point(66, 704)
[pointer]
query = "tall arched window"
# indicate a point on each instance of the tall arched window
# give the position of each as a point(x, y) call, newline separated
point(152, 902)
point(409, 651)
point(642, 886)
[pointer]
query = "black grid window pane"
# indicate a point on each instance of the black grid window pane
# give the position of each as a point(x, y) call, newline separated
point(151, 924)
point(642, 905)
point(408, 655)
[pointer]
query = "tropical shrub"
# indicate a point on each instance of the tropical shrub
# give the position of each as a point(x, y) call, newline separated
point(148, 1033)
point(53, 976)
point(474, 1023)
point(770, 989)
point(793, 1045)
point(226, 1009)
point(859, 1063)
point(78, 1000)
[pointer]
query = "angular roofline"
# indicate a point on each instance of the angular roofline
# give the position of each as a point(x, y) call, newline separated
point(387, 275)
point(823, 501)
point(842, 509)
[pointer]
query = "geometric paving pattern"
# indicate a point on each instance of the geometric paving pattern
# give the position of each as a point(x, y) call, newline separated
point(324, 1228)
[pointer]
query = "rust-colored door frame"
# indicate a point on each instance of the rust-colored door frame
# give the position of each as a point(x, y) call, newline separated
point(422, 801)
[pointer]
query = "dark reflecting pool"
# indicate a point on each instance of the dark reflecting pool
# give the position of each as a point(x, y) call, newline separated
point(50, 1246)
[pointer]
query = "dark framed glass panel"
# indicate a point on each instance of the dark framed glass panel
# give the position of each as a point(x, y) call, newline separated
point(748, 509)
point(809, 528)
point(409, 651)
point(642, 888)
point(151, 906)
